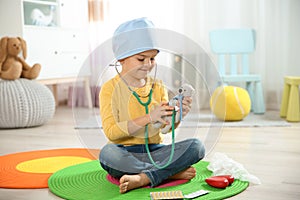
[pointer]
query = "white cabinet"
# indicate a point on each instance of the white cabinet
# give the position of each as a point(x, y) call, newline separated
point(55, 32)
point(71, 13)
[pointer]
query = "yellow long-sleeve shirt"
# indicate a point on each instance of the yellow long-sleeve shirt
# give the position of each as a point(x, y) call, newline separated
point(118, 106)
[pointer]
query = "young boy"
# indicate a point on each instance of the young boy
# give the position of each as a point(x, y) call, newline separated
point(123, 103)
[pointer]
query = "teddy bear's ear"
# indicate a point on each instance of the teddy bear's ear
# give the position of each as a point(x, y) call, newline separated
point(3, 48)
point(24, 47)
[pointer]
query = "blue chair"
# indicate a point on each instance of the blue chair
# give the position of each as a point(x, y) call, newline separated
point(237, 44)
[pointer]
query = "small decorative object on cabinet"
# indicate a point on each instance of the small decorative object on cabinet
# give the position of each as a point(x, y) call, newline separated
point(56, 36)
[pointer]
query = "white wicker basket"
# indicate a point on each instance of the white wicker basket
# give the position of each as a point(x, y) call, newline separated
point(25, 103)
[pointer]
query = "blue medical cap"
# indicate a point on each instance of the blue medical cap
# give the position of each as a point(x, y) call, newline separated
point(133, 37)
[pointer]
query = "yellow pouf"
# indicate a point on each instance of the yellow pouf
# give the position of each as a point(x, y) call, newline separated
point(230, 103)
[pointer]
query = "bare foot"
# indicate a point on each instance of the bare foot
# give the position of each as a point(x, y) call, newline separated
point(188, 174)
point(129, 182)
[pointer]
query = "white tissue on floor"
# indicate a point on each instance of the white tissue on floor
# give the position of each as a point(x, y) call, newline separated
point(221, 164)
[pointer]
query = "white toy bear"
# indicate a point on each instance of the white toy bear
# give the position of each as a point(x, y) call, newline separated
point(184, 91)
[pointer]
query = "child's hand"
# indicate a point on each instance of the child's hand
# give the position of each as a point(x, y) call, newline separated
point(160, 111)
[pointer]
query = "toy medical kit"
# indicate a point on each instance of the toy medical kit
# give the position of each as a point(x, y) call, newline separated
point(221, 181)
point(177, 194)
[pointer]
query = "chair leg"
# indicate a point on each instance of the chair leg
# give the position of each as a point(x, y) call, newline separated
point(249, 88)
point(293, 112)
point(284, 100)
point(259, 103)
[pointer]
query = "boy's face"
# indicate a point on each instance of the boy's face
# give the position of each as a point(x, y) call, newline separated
point(139, 65)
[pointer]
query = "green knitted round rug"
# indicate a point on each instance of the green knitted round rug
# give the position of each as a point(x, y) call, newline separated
point(88, 181)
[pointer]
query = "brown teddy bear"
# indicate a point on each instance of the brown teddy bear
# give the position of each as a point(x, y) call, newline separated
point(12, 66)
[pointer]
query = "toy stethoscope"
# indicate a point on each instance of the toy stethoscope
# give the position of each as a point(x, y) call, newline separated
point(146, 104)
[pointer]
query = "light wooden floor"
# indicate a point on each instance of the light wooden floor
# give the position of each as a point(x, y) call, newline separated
point(270, 153)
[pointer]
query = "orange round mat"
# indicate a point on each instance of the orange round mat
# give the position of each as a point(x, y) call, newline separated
point(32, 169)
